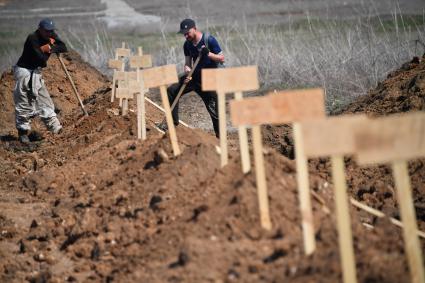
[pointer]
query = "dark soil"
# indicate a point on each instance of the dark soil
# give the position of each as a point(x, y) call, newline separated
point(93, 204)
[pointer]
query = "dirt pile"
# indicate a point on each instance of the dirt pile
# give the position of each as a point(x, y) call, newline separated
point(402, 91)
point(93, 204)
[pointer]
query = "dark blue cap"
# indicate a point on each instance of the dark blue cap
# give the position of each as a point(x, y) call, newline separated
point(186, 25)
point(47, 24)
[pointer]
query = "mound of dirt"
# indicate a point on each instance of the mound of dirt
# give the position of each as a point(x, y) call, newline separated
point(94, 204)
point(402, 91)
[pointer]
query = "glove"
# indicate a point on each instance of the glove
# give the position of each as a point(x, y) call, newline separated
point(45, 48)
point(205, 51)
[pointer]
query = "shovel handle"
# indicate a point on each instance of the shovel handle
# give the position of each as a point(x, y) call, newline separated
point(182, 88)
point(72, 84)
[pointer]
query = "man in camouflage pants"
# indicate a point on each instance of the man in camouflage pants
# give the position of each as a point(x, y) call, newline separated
point(30, 94)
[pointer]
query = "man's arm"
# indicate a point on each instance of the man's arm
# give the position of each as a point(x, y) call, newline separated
point(58, 46)
point(33, 44)
point(215, 53)
point(219, 58)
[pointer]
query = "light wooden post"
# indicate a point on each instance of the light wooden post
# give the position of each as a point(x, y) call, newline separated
point(226, 81)
point(397, 139)
point(304, 191)
point(222, 124)
point(343, 219)
point(124, 79)
point(141, 62)
point(124, 53)
point(408, 216)
point(260, 174)
point(116, 65)
point(280, 108)
point(141, 111)
point(243, 142)
point(161, 77)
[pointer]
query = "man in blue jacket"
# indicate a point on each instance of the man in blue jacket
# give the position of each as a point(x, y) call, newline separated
point(30, 94)
point(206, 46)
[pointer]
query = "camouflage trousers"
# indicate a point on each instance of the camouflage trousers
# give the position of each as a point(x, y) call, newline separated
point(32, 99)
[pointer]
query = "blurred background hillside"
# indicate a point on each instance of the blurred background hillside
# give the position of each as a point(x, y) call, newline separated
point(347, 47)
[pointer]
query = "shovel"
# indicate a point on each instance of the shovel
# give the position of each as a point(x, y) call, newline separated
point(73, 85)
point(183, 87)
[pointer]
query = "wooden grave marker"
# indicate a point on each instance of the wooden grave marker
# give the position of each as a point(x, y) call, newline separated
point(279, 108)
point(396, 140)
point(334, 137)
point(123, 78)
point(231, 80)
point(141, 62)
point(123, 53)
point(117, 64)
point(161, 77)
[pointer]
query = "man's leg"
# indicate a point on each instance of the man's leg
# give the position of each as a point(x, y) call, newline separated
point(172, 92)
point(24, 108)
point(46, 110)
point(210, 101)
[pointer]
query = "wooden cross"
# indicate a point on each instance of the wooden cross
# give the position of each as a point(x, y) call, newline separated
point(141, 62)
point(334, 137)
point(123, 78)
point(161, 77)
point(118, 66)
point(124, 53)
point(397, 139)
point(113, 63)
point(230, 80)
point(282, 107)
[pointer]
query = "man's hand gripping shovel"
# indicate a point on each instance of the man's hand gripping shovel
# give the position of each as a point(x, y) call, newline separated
point(183, 87)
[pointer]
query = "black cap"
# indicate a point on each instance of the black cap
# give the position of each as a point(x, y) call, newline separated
point(47, 24)
point(186, 25)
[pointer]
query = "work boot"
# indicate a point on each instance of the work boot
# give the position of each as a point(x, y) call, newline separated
point(23, 136)
point(53, 124)
point(57, 130)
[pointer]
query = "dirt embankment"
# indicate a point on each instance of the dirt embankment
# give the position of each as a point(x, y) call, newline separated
point(93, 204)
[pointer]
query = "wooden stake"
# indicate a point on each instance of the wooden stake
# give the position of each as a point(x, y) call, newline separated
point(140, 102)
point(380, 214)
point(124, 110)
point(304, 191)
point(141, 111)
point(260, 174)
point(122, 70)
point(343, 220)
point(408, 217)
point(114, 82)
point(221, 96)
point(170, 123)
point(243, 142)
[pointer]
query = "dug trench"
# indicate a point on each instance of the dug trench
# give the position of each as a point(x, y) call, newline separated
point(93, 204)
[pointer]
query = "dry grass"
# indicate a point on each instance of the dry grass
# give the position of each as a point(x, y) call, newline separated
point(347, 58)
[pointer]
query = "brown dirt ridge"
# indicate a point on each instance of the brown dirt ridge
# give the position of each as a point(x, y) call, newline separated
point(95, 205)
